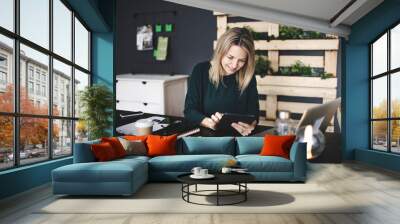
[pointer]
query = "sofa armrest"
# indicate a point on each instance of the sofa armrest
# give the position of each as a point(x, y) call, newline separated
point(83, 152)
point(298, 155)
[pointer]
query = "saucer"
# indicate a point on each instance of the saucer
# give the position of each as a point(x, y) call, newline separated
point(208, 176)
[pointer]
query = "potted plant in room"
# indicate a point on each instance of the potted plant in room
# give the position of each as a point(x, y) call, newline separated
point(96, 102)
point(263, 66)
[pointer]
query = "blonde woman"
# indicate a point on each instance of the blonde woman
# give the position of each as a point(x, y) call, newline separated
point(225, 84)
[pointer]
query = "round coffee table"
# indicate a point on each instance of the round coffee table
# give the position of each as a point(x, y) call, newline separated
point(238, 179)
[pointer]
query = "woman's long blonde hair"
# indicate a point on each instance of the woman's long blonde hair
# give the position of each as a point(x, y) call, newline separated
point(235, 36)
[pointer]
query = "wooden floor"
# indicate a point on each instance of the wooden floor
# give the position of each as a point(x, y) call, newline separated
point(379, 190)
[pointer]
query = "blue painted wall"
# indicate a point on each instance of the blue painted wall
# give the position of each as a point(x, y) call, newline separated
point(356, 84)
point(103, 62)
point(24, 178)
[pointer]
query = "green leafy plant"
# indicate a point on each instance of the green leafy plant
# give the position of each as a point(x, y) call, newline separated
point(326, 75)
point(288, 32)
point(263, 66)
point(96, 102)
point(300, 69)
point(297, 69)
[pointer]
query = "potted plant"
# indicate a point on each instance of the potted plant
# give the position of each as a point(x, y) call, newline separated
point(96, 102)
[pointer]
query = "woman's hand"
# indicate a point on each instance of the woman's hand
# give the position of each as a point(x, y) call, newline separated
point(212, 122)
point(243, 128)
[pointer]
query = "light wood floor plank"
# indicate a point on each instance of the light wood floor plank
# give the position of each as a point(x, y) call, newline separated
point(375, 190)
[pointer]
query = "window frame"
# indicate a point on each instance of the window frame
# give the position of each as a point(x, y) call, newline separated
point(388, 74)
point(16, 114)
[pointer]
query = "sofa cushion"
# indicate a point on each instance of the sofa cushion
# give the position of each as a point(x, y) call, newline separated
point(134, 147)
point(161, 145)
point(111, 171)
point(257, 163)
point(103, 152)
point(208, 145)
point(135, 137)
point(116, 145)
point(275, 145)
point(185, 163)
point(249, 145)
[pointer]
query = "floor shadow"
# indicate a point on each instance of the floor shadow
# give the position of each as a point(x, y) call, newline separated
point(255, 198)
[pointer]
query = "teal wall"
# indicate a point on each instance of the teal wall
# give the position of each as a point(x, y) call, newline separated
point(356, 85)
point(103, 62)
point(24, 178)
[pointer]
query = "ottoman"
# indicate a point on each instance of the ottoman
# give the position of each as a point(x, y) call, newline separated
point(118, 177)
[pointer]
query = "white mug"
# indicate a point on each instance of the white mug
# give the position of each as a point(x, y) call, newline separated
point(226, 170)
point(144, 127)
point(196, 170)
point(203, 172)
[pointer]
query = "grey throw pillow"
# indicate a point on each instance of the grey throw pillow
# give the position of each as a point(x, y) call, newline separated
point(136, 147)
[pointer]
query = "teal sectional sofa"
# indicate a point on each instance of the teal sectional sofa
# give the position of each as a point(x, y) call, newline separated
point(125, 176)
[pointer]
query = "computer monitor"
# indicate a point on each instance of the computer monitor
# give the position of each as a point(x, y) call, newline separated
point(320, 115)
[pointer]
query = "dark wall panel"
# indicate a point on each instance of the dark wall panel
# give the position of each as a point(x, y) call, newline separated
point(190, 42)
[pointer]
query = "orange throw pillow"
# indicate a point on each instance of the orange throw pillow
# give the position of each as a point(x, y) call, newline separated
point(116, 145)
point(161, 145)
point(103, 151)
point(275, 145)
point(135, 138)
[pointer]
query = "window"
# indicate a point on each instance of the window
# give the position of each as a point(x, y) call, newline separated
point(7, 14)
point(37, 74)
point(385, 94)
point(30, 72)
point(62, 29)
point(54, 126)
point(81, 81)
point(62, 74)
point(81, 45)
point(3, 78)
point(3, 72)
point(3, 61)
point(44, 91)
point(30, 87)
point(38, 89)
point(35, 21)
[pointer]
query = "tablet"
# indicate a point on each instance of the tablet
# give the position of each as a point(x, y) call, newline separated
point(229, 118)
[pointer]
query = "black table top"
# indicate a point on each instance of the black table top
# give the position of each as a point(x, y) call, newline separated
point(220, 178)
point(178, 125)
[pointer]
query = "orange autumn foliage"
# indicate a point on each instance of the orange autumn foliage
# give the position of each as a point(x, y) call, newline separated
point(33, 130)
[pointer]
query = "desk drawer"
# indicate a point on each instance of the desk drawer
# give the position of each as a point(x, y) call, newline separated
point(146, 107)
point(148, 91)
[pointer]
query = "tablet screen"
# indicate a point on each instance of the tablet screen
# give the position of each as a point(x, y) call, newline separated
point(229, 118)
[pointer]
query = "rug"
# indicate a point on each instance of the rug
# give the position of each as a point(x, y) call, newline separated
point(166, 198)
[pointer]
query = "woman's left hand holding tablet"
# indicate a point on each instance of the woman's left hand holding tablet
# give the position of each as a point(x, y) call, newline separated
point(213, 121)
point(243, 128)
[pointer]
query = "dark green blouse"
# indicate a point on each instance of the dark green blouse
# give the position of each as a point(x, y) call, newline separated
point(203, 99)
